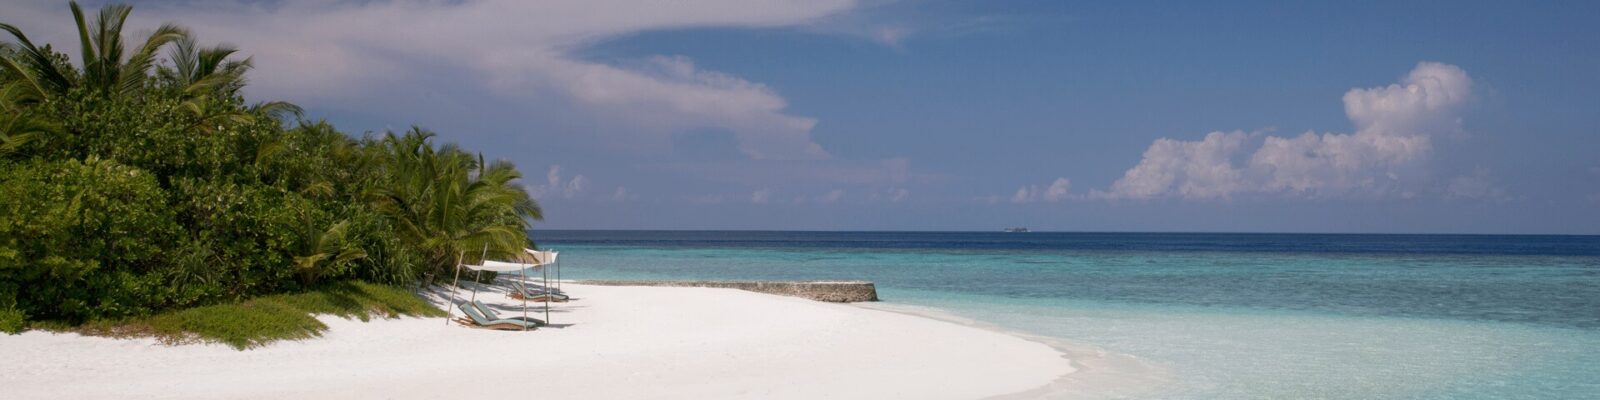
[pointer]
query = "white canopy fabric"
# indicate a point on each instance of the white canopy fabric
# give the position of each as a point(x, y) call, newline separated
point(544, 257)
point(540, 258)
point(501, 266)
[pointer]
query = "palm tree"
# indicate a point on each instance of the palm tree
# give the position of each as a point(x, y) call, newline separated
point(205, 71)
point(36, 74)
point(447, 202)
point(206, 74)
point(320, 249)
point(108, 68)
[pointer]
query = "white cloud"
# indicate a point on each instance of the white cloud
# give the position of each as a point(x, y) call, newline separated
point(343, 53)
point(574, 186)
point(897, 195)
point(554, 186)
point(622, 194)
point(1056, 191)
point(670, 94)
point(761, 196)
point(832, 197)
point(1201, 169)
point(1395, 126)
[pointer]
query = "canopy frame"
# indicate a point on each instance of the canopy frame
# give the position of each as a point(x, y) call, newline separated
point(501, 266)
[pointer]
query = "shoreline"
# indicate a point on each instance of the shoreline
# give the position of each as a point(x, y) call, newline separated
point(613, 342)
point(1098, 373)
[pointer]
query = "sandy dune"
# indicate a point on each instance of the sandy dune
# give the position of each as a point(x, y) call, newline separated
point(611, 343)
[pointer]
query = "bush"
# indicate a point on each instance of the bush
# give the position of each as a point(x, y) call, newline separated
point(243, 232)
point(389, 260)
point(79, 239)
point(263, 320)
point(12, 320)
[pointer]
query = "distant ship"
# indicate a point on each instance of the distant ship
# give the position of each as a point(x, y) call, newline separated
point(1016, 230)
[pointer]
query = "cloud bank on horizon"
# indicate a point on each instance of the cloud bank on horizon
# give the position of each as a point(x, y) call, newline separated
point(1395, 128)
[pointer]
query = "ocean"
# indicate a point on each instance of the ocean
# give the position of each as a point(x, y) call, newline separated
point(1216, 316)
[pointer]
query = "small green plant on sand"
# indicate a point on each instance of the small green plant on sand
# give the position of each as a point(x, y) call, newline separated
point(12, 320)
point(265, 319)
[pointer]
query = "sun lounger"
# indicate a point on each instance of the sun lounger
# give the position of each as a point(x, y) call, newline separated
point(523, 292)
point(491, 315)
point(535, 287)
point(474, 318)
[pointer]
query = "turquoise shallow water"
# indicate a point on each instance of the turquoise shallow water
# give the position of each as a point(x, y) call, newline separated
point(1225, 316)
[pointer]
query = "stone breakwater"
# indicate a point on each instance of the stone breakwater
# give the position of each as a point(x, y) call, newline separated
point(828, 291)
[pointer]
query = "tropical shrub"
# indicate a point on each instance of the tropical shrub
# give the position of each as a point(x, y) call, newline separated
point(79, 238)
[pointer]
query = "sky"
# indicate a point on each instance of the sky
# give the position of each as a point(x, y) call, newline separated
point(1241, 116)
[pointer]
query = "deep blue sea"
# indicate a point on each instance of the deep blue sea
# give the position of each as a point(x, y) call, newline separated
point(1221, 316)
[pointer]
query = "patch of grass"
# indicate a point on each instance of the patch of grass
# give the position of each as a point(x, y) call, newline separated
point(262, 320)
point(12, 320)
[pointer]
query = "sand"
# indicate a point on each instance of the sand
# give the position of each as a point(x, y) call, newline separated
point(610, 343)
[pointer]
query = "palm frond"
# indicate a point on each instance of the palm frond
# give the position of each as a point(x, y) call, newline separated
point(277, 110)
point(35, 67)
point(132, 74)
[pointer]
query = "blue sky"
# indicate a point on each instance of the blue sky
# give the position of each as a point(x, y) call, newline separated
point(1474, 117)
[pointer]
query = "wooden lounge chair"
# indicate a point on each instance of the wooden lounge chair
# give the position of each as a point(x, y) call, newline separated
point(491, 315)
point(476, 319)
point(521, 292)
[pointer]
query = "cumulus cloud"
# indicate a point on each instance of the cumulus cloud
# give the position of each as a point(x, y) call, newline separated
point(1395, 126)
point(1193, 169)
point(1056, 191)
point(554, 186)
point(622, 194)
point(896, 195)
point(343, 52)
point(671, 94)
point(761, 196)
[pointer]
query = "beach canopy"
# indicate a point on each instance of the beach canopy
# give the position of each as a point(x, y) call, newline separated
point(543, 257)
point(533, 259)
point(536, 258)
point(502, 266)
point(547, 257)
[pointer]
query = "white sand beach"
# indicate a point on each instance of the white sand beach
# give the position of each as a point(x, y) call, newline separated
point(610, 343)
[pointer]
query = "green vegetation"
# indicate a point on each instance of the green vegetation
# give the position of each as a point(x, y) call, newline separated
point(140, 182)
point(277, 317)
